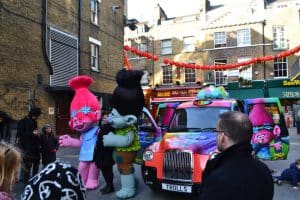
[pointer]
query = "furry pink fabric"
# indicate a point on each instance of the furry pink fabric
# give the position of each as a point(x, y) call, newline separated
point(85, 113)
point(83, 99)
point(260, 116)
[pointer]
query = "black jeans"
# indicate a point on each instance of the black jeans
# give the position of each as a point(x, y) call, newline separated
point(107, 172)
point(31, 168)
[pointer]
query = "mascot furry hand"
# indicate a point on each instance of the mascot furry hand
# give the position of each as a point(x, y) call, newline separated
point(127, 103)
point(85, 113)
point(264, 131)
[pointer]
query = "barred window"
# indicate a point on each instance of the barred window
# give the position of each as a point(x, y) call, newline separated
point(94, 11)
point(220, 39)
point(167, 74)
point(166, 47)
point(243, 37)
point(280, 68)
point(190, 75)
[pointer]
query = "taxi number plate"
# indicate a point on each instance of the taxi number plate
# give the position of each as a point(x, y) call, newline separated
point(177, 188)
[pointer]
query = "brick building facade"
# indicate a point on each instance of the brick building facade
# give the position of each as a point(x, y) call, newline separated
point(45, 43)
point(232, 32)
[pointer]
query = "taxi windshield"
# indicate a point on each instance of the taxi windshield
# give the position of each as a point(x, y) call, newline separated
point(196, 119)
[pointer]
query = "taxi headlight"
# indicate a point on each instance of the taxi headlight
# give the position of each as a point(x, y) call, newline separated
point(148, 155)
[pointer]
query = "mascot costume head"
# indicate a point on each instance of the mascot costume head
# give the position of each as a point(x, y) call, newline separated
point(127, 104)
point(266, 135)
point(85, 113)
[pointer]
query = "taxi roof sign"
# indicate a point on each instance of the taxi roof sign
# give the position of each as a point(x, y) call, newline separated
point(202, 102)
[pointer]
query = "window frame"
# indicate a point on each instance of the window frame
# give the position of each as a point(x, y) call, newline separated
point(247, 71)
point(243, 37)
point(189, 73)
point(167, 79)
point(94, 54)
point(164, 49)
point(282, 43)
point(94, 14)
point(188, 46)
point(279, 61)
point(224, 76)
point(220, 42)
point(143, 46)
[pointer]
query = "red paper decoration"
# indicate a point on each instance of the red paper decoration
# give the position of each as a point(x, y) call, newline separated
point(213, 67)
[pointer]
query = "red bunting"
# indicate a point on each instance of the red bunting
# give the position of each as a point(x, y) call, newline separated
point(212, 67)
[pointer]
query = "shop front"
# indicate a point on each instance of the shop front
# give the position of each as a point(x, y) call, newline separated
point(255, 90)
point(288, 91)
point(171, 94)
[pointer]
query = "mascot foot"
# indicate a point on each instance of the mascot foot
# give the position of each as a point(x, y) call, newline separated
point(128, 187)
point(91, 184)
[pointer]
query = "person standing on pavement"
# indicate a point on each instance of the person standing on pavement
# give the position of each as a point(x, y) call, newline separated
point(5, 129)
point(103, 157)
point(234, 174)
point(28, 141)
point(49, 145)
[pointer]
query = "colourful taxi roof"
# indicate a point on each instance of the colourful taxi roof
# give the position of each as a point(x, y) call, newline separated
point(212, 103)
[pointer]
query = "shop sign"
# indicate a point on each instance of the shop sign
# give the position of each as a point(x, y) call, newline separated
point(177, 93)
point(291, 83)
point(291, 94)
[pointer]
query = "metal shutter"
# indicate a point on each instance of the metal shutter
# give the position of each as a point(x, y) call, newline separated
point(63, 57)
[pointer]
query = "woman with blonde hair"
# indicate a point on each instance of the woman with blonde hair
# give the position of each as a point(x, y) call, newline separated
point(10, 164)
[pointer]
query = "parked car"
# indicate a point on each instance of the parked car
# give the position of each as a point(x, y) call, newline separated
point(176, 162)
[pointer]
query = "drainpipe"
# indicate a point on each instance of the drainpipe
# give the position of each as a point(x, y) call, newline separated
point(265, 89)
point(79, 33)
point(44, 36)
point(264, 50)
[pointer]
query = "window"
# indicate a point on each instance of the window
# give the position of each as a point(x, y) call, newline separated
point(167, 75)
point(220, 75)
point(189, 75)
point(245, 72)
point(166, 47)
point(280, 68)
point(143, 47)
point(220, 39)
point(188, 43)
point(95, 44)
point(94, 11)
point(279, 41)
point(243, 37)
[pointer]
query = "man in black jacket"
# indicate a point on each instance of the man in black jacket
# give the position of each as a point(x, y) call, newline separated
point(234, 174)
point(28, 141)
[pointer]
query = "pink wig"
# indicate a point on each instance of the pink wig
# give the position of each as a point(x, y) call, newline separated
point(260, 116)
point(84, 103)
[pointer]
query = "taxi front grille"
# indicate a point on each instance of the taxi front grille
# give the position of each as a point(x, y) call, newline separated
point(178, 165)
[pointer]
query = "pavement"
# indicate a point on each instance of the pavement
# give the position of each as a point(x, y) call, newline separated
point(283, 192)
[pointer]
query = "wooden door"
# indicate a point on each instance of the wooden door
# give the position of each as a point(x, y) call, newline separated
point(63, 102)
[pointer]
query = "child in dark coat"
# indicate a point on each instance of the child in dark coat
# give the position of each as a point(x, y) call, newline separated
point(291, 174)
point(49, 145)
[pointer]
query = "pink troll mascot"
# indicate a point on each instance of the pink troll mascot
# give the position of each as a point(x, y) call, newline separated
point(264, 132)
point(85, 113)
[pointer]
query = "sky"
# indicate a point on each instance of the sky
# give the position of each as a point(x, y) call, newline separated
point(141, 9)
